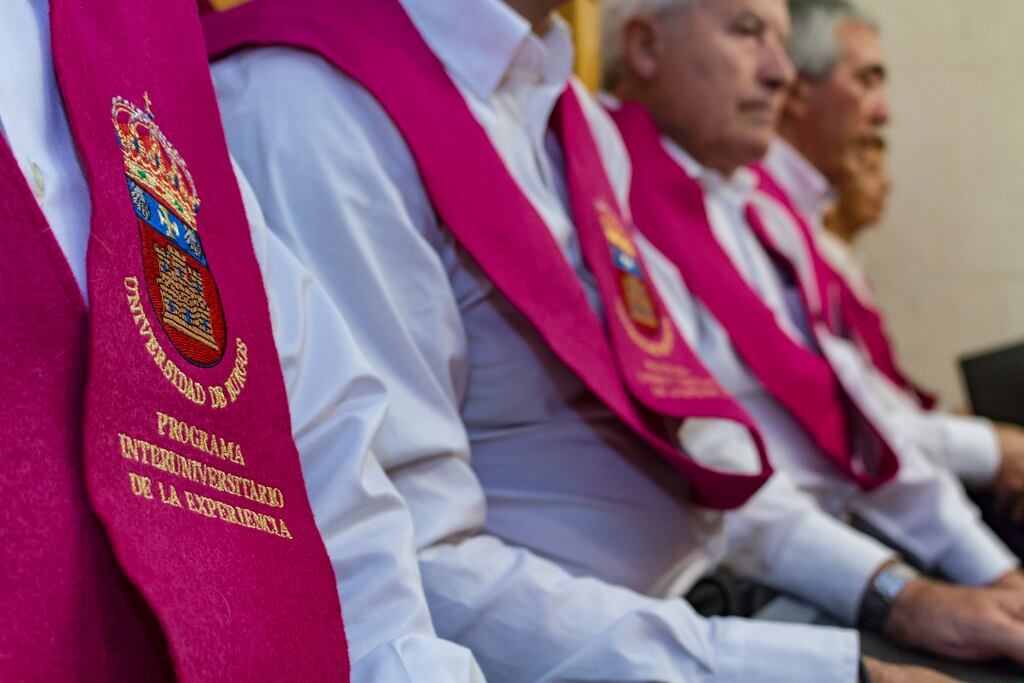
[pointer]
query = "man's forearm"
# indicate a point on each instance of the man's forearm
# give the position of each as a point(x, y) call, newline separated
point(528, 619)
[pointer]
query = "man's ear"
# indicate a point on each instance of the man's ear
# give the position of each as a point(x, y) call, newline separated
point(642, 47)
point(797, 99)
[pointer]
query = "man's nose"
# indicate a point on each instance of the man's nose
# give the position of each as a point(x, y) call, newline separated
point(777, 71)
point(880, 114)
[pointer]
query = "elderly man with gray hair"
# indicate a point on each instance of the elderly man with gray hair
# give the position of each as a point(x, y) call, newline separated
point(698, 90)
point(837, 100)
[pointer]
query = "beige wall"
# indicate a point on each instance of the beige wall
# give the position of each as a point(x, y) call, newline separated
point(948, 261)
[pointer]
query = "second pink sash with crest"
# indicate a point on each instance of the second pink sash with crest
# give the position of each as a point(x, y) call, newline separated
point(635, 360)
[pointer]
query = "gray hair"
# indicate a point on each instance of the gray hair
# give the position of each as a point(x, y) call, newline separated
point(614, 16)
point(814, 43)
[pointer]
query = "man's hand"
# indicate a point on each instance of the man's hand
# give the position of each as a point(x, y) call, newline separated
point(959, 622)
point(881, 672)
point(1009, 481)
point(1013, 580)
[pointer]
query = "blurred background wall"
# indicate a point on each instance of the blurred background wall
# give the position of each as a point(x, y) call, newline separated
point(947, 263)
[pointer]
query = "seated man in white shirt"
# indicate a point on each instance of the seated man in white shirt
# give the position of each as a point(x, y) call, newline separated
point(860, 194)
point(710, 76)
point(334, 401)
point(572, 563)
point(839, 96)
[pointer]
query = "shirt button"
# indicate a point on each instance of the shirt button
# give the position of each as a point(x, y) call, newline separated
point(38, 183)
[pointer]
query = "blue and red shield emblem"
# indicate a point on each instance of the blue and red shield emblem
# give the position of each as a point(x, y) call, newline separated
point(177, 274)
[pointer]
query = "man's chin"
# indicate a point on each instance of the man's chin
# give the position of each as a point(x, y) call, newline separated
point(755, 149)
point(740, 151)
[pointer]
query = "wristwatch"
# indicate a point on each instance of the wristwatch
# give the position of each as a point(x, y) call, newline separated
point(862, 673)
point(881, 594)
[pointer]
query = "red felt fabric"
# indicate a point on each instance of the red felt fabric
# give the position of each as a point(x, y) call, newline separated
point(100, 583)
point(62, 594)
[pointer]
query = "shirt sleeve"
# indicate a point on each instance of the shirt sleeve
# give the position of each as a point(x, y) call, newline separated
point(785, 540)
point(338, 182)
point(528, 620)
point(336, 405)
point(967, 445)
point(924, 509)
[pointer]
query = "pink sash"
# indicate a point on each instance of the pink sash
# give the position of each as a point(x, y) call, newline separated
point(849, 314)
point(635, 361)
point(669, 207)
point(155, 522)
point(868, 327)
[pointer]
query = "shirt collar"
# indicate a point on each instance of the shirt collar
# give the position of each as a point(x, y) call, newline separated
point(801, 180)
point(840, 256)
point(484, 42)
point(742, 182)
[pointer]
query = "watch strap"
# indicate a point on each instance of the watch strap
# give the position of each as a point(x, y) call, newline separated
point(882, 593)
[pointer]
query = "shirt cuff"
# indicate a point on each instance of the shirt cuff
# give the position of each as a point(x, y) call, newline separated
point(797, 653)
point(972, 448)
point(828, 563)
point(977, 558)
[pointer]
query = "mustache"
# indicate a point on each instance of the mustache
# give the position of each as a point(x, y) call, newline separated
point(759, 104)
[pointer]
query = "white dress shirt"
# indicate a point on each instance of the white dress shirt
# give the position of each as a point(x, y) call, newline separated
point(839, 255)
point(571, 565)
point(966, 445)
point(336, 402)
point(923, 510)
